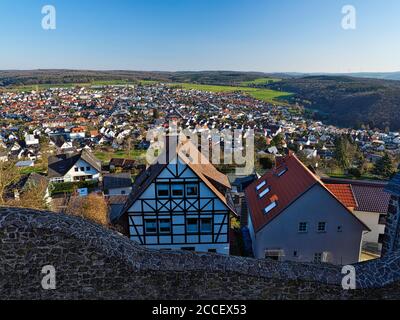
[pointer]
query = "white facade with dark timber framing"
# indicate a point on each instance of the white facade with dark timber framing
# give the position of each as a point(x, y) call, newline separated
point(180, 206)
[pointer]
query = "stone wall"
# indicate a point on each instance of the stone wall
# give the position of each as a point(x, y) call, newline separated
point(94, 263)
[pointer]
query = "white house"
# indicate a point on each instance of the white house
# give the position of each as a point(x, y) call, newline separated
point(372, 207)
point(294, 216)
point(30, 140)
point(180, 205)
point(74, 167)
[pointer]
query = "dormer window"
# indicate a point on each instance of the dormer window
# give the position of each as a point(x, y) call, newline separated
point(264, 193)
point(261, 185)
point(271, 207)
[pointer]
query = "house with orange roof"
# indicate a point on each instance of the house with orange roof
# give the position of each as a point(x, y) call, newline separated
point(369, 203)
point(293, 216)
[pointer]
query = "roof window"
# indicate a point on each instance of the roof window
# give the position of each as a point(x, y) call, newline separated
point(262, 184)
point(282, 172)
point(272, 206)
point(265, 192)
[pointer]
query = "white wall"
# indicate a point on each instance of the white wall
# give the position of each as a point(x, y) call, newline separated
point(119, 191)
point(202, 243)
point(315, 206)
point(371, 219)
point(69, 177)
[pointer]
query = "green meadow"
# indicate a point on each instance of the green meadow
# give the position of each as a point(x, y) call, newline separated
point(267, 95)
point(261, 81)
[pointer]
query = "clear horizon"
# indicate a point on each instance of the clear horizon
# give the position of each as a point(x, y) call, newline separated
point(270, 36)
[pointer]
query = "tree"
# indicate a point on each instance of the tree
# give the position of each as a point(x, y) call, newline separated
point(266, 163)
point(346, 152)
point(260, 143)
point(384, 167)
point(278, 141)
point(93, 207)
point(33, 196)
point(9, 174)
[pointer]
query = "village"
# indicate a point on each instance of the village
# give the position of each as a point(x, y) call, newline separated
point(316, 193)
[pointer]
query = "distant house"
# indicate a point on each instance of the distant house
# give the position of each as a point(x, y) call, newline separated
point(182, 204)
point(27, 181)
point(31, 140)
point(25, 164)
point(294, 216)
point(122, 164)
point(371, 206)
point(74, 167)
point(117, 184)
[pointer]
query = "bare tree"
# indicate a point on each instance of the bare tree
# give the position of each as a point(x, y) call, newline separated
point(9, 174)
point(32, 196)
point(93, 207)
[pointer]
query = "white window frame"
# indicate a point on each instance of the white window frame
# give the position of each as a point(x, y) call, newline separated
point(197, 226)
point(201, 225)
point(160, 187)
point(175, 187)
point(195, 185)
point(161, 221)
point(148, 221)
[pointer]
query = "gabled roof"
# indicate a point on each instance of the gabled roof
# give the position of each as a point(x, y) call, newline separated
point(117, 180)
point(59, 165)
point(190, 155)
point(344, 193)
point(287, 183)
point(370, 195)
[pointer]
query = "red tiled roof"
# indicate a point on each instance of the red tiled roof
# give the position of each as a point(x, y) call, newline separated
point(344, 193)
point(285, 190)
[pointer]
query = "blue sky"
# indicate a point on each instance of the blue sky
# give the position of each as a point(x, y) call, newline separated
point(246, 35)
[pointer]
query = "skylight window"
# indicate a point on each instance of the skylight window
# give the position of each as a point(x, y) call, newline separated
point(262, 184)
point(282, 172)
point(262, 194)
point(272, 206)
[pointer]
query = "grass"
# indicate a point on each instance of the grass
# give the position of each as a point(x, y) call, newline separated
point(260, 81)
point(106, 156)
point(266, 95)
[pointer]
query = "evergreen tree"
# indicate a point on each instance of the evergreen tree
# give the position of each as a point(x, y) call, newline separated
point(384, 167)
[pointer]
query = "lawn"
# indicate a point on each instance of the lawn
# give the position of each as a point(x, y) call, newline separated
point(106, 156)
point(266, 95)
point(260, 81)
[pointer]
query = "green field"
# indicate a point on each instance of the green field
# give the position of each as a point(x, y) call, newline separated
point(266, 95)
point(260, 81)
point(106, 156)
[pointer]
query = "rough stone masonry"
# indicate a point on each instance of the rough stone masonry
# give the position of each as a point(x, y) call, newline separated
point(95, 263)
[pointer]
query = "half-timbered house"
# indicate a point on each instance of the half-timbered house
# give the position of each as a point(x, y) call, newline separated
point(181, 204)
